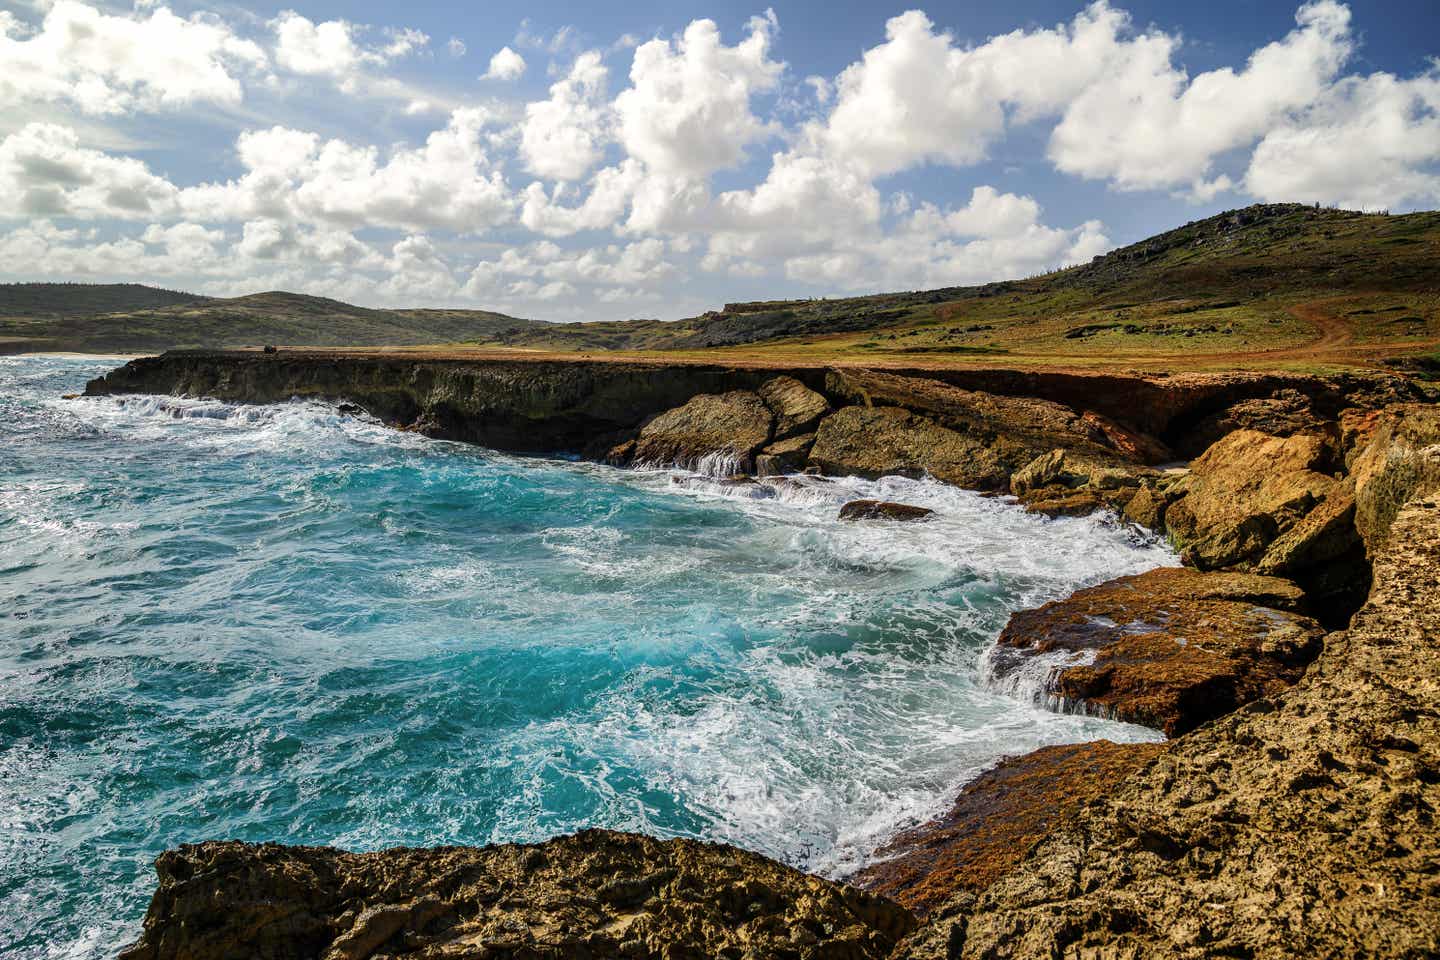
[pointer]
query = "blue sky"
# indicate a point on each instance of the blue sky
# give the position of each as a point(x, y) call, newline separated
point(567, 161)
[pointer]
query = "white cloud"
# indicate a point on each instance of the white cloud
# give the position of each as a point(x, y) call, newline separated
point(44, 172)
point(332, 48)
point(1142, 125)
point(456, 46)
point(1372, 142)
point(446, 184)
point(505, 65)
point(107, 64)
point(687, 112)
point(564, 136)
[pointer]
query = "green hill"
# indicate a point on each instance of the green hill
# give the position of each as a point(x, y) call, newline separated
point(54, 318)
point(1234, 278)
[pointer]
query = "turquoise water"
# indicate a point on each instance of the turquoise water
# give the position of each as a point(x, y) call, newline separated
point(284, 623)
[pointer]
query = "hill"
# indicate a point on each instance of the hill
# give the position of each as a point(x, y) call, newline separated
point(28, 321)
point(85, 299)
point(1277, 282)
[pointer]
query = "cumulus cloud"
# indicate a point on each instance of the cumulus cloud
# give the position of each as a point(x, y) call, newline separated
point(687, 112)
point(1145, 125)
point(506, 64)
point(1371, 142)
point(448, 183)
point(45, 172)
point(332, 48)
point(104, 64)
point(564, 136)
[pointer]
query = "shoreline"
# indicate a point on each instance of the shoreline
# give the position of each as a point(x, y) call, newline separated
point(1293, 479)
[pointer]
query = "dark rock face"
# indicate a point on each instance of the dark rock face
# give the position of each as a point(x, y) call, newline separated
point(883, 510)
point(731, 426)
point(875, 442)
point(596, 894)
point(1301, 825)
point(996, 819)
point(785, 456)
point(1170, 649)
point(797, 408)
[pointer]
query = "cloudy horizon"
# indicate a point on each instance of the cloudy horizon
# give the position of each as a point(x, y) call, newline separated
point(588, 170)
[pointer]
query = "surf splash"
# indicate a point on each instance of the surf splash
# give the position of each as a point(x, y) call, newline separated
point(287, 623)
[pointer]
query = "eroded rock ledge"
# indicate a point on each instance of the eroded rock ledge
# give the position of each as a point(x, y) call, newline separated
point(596, 894)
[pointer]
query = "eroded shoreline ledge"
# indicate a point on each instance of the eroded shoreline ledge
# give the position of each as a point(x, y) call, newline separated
point(1292, 812)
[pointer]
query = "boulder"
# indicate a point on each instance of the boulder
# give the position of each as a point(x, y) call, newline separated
point(1171, 649)
point(996, 819)
point(1027, 423)
point(1147, 507)
point(797, 408)
point(888, 441)
point(784, 456)
point(1063, 484)
point(883, 510)
point(1244, 492)
point(728, 428)
point(1394, 456)
point(596, 894)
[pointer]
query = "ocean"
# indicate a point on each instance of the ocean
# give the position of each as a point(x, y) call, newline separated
point(288, 623)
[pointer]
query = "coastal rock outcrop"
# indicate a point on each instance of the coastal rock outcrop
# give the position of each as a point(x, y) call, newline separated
point(883, 510)
point(874, 442)
point(1062, 483)
point(1303, 824)
point(797, 408)
point(596, 894)
point(1394, 456)
point(729, 427)
point(996, 819)
point(1243, 492)
point(1171, 648)
point(785, 456)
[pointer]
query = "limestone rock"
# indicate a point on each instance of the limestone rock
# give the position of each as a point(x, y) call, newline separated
point(1028, 424)
point(1171, 649)
point(797, 408)
point(1325, 534)
point(996, 819)
point(596, 894)
point(1243, 492)
point(784, 456)
point(1395, 457)
point(883, 441)
point(1285, 413)
point(883, 510)
point(729, 426)
point(1301, 825)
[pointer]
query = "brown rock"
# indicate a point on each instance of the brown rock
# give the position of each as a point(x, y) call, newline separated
point(1147, 507)
point(1285, 413)
point(731, 425)
point(797, 408)
point(1395, 457)
point(786, 456)
point(883, 510)
point(596, 894)
point(1325, 534)
point(1062, 468)
point(996, 819)
point(1245, 491)
point(885, 441)
point(1170, 649)
point(1027, 423)
point(1303, 825)
point(1061, 502)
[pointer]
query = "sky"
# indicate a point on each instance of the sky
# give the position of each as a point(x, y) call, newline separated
point(584, 161)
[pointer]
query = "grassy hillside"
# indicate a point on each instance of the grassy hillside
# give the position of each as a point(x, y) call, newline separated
point(279, 318)
point(1280, 278)
point(39, 300)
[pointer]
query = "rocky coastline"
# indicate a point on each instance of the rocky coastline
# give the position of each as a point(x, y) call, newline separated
point(1289, 662)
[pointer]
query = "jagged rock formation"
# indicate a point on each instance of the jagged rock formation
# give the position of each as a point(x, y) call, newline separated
point(1169, 649)
point(731, 426)
point(596, 894)
point(1301, 825)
